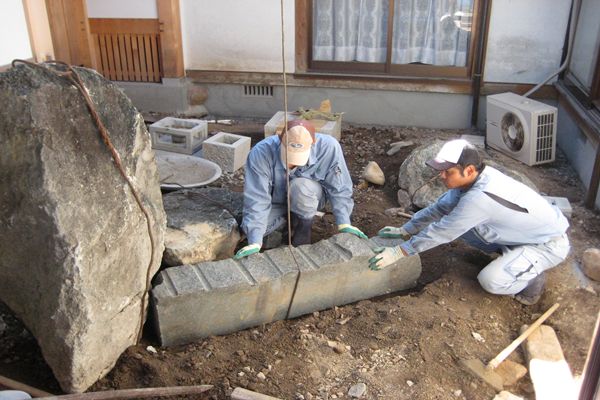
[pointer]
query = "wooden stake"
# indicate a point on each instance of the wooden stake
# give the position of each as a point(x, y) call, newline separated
point(134, 393)
point(12, 384)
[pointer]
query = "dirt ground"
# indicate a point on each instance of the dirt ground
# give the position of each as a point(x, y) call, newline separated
point(402, 346)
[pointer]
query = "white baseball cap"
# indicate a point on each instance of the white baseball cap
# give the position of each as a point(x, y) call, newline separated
point(299, 138)
point(452, 152)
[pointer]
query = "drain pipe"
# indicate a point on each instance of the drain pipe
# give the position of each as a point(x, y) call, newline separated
point(575, 5)
point(479, 63)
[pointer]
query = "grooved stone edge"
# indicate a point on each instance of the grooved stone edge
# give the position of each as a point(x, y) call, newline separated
point(191, 302)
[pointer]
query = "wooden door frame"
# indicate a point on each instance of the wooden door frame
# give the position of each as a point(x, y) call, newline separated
point(169, 20)
point(70, 45)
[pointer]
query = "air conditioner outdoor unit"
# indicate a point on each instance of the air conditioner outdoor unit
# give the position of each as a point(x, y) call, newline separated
point(522, 128)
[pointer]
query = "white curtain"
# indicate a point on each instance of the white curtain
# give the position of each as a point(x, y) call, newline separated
point(434, 32)
point(350, 30)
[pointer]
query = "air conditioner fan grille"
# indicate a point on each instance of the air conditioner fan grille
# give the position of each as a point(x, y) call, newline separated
point(513, 134)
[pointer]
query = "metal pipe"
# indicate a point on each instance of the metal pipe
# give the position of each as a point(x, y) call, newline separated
point(479, 62)
point(575, 6)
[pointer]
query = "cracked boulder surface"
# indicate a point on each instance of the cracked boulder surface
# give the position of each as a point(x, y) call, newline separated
point(75, 245)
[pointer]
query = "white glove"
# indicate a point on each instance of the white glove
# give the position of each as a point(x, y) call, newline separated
point(247, 250)
point(385, 256)
point(394, 233)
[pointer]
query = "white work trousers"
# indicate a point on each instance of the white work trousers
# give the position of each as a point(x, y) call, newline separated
point(306, 198)
point(517, 265)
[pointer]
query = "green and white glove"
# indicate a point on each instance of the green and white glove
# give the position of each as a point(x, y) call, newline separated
point(347, 228)
point(385, 256)
point(394, 233)
point(247, 250)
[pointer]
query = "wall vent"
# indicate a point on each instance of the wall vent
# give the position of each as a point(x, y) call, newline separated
point(258, 91)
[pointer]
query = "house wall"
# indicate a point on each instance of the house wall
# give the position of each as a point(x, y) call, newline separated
point(234, 35)
point(525, 46)
point(525, 40)
point(14, 38)
point(122, 9)
point(579, 149)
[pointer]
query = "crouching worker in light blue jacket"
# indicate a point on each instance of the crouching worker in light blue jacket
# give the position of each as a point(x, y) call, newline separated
point(318, 174)
point(491, 212)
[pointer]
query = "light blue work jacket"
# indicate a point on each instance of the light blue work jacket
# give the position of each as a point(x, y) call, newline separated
point(524, 218)
point(265, 181)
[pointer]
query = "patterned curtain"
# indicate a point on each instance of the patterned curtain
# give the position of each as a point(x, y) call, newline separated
point(435, 32)
point(350, 30)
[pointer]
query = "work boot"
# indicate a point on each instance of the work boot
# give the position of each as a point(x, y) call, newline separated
point(301, 230)
point(532, 293)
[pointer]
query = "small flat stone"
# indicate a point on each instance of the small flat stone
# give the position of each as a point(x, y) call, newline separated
point(357, 391)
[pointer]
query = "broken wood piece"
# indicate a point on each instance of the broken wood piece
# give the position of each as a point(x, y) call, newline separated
point(548, 369)
point(397, 146)
point(12, 384)
point(397, 212)
point(134, 393)
point(244, 394)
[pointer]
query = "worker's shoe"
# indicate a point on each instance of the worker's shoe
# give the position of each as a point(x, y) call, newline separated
point(301, 230)
point(533, 292)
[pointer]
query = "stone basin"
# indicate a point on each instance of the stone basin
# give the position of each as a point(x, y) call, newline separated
point(182, 171)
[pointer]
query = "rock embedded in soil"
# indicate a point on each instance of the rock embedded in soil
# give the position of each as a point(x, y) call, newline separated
point(590, 263)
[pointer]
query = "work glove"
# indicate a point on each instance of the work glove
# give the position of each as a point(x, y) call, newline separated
point(247, 250)
point(394, 233)
point(385, 256)
point(347, 228)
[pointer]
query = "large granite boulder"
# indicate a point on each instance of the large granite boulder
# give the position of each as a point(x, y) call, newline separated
point(416, 177)
point(201, 225)
point(75, 249)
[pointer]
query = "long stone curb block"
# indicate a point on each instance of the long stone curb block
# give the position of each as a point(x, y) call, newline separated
point(335, 272)
point(221, 297)
point(191, 302)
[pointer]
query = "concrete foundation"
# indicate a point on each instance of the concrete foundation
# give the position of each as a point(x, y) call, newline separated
point(191, 302)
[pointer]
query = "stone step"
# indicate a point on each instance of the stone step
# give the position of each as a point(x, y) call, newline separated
point(191, 302)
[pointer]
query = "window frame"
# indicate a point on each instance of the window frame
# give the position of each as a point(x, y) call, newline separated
point(305, 63)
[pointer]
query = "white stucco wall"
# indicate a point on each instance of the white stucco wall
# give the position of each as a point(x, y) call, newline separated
point(121, 9)
point(525, 40)
point(14, 38)
point(236, 35)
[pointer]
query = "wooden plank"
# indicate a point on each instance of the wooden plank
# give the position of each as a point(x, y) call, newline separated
point(135, 52)
point(129, 52)
point(117, 55)
point(548, 369)
point(111, 61)
point(245, 394)
point(155, 58)
point(148, 52)
point(104, 57)
point(123, 25)
point(170, 38)
point(97, 59)
point(302, 40)
point(58, 30)
point(123, 54)
point(142, 50)
point(78, 31)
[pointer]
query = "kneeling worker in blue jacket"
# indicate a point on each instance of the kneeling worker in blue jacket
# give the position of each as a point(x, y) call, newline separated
point(318, 174)
point(491, 212)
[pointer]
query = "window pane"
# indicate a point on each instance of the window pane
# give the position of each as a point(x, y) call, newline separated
point(433, 32)
point(350, 30)
point(585, 45)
